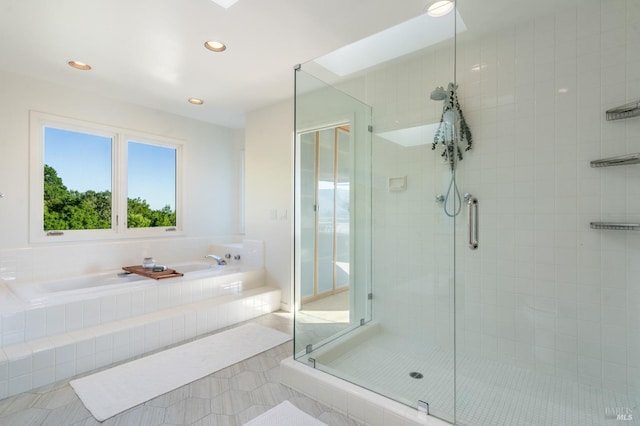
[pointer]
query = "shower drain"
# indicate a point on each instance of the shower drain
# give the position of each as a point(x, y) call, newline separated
point(416, 375)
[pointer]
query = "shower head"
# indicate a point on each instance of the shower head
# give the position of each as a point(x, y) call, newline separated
point(439, 94)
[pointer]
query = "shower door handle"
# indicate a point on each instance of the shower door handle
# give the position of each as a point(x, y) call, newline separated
point(472, 205)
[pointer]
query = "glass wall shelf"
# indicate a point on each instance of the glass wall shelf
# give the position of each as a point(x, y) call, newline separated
point(621, 160)
point(625, 111)
point(616, 226)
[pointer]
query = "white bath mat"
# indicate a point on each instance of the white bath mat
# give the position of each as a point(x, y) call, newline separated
point(117, 389)
point(285, 413)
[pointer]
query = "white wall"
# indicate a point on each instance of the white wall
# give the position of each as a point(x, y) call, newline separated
point(269, 191)
point(210, 179)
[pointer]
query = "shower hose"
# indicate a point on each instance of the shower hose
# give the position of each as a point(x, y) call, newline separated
point(456, 207)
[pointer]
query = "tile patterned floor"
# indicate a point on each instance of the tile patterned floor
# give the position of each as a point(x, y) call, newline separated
point(229, 397)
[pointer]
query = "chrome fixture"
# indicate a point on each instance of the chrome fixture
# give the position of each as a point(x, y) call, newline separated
point(217, 258)
point(451, 130)
point(1, 195)
point(439, 94)
point(439, 198)
point(227, 256)
point(236, 257)
point(472, 205)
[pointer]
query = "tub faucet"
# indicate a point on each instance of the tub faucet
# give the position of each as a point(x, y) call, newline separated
point(217, 258)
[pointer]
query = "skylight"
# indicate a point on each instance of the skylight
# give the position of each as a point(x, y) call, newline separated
point(410, 36)
point(412, 136)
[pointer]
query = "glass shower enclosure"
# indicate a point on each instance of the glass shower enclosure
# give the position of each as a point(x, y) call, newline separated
point(497, 286)
point(374, 301)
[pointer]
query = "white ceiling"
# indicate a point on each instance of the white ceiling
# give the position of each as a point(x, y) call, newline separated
point(150, 52)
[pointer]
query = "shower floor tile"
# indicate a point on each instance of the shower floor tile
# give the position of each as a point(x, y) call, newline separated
point(489, 393)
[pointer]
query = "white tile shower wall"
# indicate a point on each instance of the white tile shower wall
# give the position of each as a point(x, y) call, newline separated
point(412, 237)
point(413, 274)
point(544, 291)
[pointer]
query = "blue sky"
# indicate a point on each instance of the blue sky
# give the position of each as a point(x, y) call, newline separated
point(83, 161)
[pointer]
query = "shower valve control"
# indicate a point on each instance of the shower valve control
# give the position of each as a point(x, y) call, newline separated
point(439, 198)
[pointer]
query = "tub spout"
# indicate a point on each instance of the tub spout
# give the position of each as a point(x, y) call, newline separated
point(217, 258)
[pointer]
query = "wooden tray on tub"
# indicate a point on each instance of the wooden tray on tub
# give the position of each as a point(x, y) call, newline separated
point(146, 272)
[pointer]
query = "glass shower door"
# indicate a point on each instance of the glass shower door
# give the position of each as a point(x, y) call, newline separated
point(332, 222)
point(393, 244)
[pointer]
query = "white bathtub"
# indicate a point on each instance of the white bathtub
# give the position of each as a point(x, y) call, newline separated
point(115, 282)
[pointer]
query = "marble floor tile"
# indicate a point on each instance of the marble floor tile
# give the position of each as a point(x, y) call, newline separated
point(66, 414)
point(247, 381)
point(18, 403)
point(209, 387)
point(56, 398)
point(187, 411)
point(26, 417)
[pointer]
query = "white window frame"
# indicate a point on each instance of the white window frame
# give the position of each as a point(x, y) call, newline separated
point(120, 138)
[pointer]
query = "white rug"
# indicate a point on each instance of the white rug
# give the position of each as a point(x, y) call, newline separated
point(117, 389)
point(285, 413)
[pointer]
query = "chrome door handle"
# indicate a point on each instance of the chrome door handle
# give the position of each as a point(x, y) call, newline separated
point(472, 206)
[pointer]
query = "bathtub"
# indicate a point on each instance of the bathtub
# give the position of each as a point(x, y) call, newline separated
point(115, 282)
point(52, 330)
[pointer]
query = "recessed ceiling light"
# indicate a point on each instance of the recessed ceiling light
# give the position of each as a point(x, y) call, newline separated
point(215, 46)
point(440, 8)
point(79, 65)
point(195, 101)
point(225, 3)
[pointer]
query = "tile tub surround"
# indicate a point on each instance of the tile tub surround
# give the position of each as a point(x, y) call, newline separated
point(21, 322)
point(42, 343)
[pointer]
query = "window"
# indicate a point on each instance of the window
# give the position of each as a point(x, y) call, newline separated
point(151, 185)
point(91, 181)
